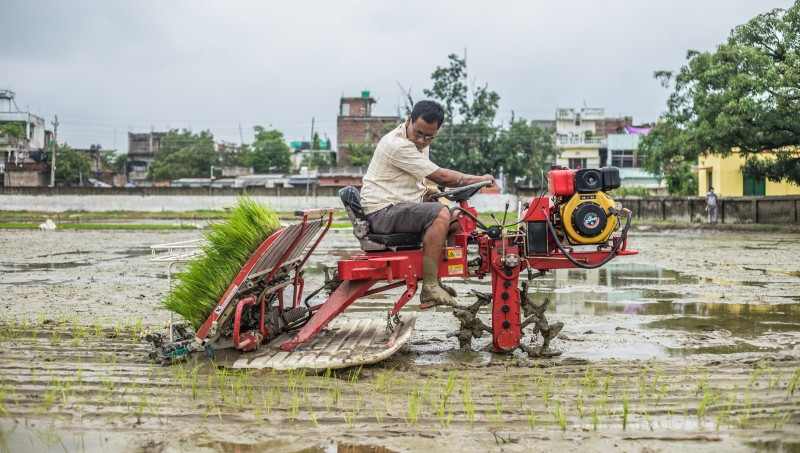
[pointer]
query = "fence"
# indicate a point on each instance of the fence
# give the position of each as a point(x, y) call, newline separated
point(759, 209)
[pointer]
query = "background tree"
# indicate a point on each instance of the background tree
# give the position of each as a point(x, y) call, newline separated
point(183, 155)
point(745, 95)
point(524, 150)
point(466, 141)
point(72, 166)
point(317, 159)
point(359, 154)
point(115, 162)
point(268, 153)
point(13, 129)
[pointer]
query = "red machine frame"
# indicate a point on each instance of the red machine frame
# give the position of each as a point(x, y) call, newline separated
point(253, 309)
point(359, 274)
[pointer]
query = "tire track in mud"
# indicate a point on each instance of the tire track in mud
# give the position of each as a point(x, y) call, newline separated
point(92, 379)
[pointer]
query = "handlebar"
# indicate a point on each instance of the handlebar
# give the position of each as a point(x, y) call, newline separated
point(461, 193)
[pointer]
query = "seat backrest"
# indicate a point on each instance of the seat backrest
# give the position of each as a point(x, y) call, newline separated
point(352, 202)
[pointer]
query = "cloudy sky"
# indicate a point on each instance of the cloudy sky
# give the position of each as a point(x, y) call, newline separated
point(108, 68)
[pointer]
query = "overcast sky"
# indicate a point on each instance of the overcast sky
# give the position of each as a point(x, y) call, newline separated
point(108, 68)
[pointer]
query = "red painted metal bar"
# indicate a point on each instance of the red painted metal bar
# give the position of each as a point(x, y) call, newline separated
point(298, 294)
point(248, 342)
point(411, 289)
point(347, 292)
point(506, 319)
point(203, 332)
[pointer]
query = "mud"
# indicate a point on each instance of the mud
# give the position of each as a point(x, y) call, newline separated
point(692, 344)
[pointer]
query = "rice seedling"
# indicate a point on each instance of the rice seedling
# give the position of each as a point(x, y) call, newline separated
point(353, 377)
point(589, 379)
point(624, 412)
point(335, 392)
point(497, 416)
point(518, 391)
point(230, 243)
point(295, 407)
point(743, 416)
point(793, 382)
point(415, 399)
point(257, 414)
point(531, 418)
point(773, 382)
point(469, 404)
point(701, 384)
point(779, 418)
point(440, 398)
point(3, 399)
point(595, 418)
point(701, 408)
point(546, 397)
point(56, 338)
point(313, 418)
point(561, 417)
point(350, 418)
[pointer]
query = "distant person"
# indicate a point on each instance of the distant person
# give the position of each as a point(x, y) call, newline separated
point(711, 205)
point(397, 183)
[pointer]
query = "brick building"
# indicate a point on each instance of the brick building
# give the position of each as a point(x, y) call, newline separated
point(356, 125)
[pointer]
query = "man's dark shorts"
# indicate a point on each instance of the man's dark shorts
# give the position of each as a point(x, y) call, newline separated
point(404, 218)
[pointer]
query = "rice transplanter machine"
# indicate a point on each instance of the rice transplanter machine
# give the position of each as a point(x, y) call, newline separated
point(263, 312)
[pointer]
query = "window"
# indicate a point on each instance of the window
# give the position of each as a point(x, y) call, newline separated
point(626, 159)
point(577, 162)
point(754, 187)
point(622, 158)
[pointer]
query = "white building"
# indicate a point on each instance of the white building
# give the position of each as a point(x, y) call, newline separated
point(577, 137)
point(34, 125)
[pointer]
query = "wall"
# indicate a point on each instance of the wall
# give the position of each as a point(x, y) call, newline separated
point(767, 210)
point(162, 199)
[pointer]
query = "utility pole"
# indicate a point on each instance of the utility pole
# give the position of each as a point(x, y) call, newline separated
point(55, 148)
point(312, 132)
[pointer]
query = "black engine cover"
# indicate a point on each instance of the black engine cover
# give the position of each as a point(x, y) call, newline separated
point(589, 219)
point(588, 180)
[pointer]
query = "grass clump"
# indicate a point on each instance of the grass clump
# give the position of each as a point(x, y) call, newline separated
point(230, 243)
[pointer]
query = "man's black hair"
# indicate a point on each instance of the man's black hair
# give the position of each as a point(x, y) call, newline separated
point(430, 111)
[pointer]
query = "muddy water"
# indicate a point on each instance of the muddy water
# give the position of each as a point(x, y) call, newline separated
point(687, 292)
point(702, 327)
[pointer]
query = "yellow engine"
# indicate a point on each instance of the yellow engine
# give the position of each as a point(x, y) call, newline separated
point(589, 218)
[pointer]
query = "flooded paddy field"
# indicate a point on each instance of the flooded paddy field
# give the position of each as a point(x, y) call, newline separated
point(694, 343)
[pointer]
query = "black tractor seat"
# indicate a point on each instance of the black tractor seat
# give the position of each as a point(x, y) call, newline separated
point(351, 199)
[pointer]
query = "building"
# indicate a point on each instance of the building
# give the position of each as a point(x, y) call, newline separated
point(582, 136)
point(622, 153)
point(724, 174)
point(33, 125)
point(341, 176)
point(141, 153)
point(23, 160)
point(577, 138)
point(356, 125)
